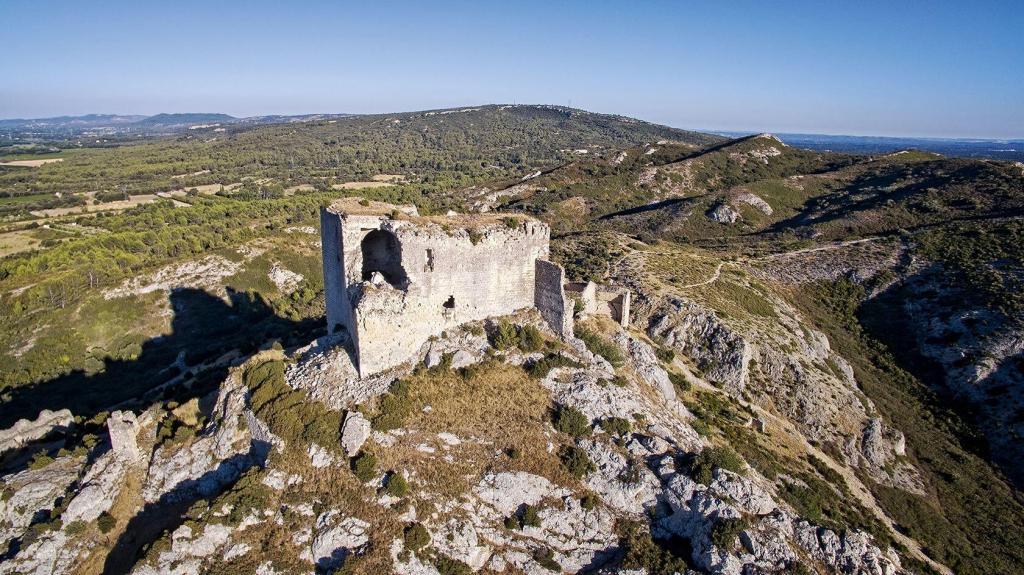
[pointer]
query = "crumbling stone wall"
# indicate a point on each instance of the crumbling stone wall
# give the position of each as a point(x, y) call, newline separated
point(550, 300)
point(603, 300)
point(393, 279)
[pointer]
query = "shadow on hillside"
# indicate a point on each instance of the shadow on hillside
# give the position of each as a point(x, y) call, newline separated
point(204, 328)
point(169, 512)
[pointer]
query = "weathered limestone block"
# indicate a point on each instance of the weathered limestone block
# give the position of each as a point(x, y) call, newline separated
point(354, 433)
point(123, 428)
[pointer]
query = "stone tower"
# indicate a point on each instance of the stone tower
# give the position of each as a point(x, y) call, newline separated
point(393, 279)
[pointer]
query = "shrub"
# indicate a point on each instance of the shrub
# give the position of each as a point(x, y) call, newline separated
point(416, 537)
point(679, 381)
point(75, 528)
point(725, 531)
point(600, 346)
point(106, 522)
point(394, 406)
point(530, 517)
point(246, 495)
point(364, 466)
point(704, 463)
point(539, 369)
point(512, 522)
point(576, 461)
point(510, 222)
point(396, 485)
point(530, 339)
point(449, 566)
point(40, 460)
point(589, 501)
point(546, 558)
point(642, 552)
point(572, 421)
point(664, 354)
point(290, 413)
point(616, 426)
point(505, 336)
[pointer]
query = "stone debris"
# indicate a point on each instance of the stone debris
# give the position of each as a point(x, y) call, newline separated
point(354, 432)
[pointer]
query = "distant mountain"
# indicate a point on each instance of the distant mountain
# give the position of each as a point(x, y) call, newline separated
point(86, 121)
point(185, 119)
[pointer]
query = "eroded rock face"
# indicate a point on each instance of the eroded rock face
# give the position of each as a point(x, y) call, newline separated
point(228, 446)
point(724, 214)
point(335, 538)
point(698, 333)
point(32, 493)
point(25, 431)
point(795, 371)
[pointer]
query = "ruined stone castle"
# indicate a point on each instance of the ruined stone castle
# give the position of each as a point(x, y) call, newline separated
point(393, 278)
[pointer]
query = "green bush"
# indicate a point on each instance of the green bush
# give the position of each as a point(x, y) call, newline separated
point(75, 528)
point(539, 369)
point(416, 537)
point(616, 426)
point(247, 495)
point(40, 460)
point(598, 345)
point(589, 501)
point(704, 463)
point(545, 557)
point(396, 485)
point(664, 354)
point(530, 339)
point(106, 522)
point(512, 522)
point(572, 421)
point(394, 407)
point(290, 413)
point(531, 516)
point(725, 531)
point(641, 551)
point(505, 336)
point(576, 461)
point(679, 381)
point(448, 566)
point(364, 466)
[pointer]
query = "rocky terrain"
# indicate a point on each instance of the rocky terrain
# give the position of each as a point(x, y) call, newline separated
point(823, 374)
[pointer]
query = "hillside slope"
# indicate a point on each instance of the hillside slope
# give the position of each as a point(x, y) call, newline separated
point(824, 372)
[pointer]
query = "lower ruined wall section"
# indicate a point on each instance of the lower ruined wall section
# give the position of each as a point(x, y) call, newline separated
point(550, 299)
point(335, 294)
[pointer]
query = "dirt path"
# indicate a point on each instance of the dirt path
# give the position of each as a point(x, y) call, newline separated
point(832, 246)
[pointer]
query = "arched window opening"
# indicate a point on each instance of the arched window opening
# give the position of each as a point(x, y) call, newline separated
point(382, 253)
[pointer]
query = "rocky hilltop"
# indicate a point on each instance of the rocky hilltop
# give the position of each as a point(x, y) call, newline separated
point(821, 373)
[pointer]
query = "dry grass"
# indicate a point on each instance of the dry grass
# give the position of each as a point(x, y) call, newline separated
point(15, 242)
point(498, 410)
point(31, 163)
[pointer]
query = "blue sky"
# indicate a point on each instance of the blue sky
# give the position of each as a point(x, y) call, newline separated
point(878, 68)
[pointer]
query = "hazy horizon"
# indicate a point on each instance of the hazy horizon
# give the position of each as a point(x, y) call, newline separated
point(936, 70)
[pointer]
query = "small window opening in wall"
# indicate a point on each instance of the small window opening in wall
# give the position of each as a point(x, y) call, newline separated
point(429, 267)
point(450, 304)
